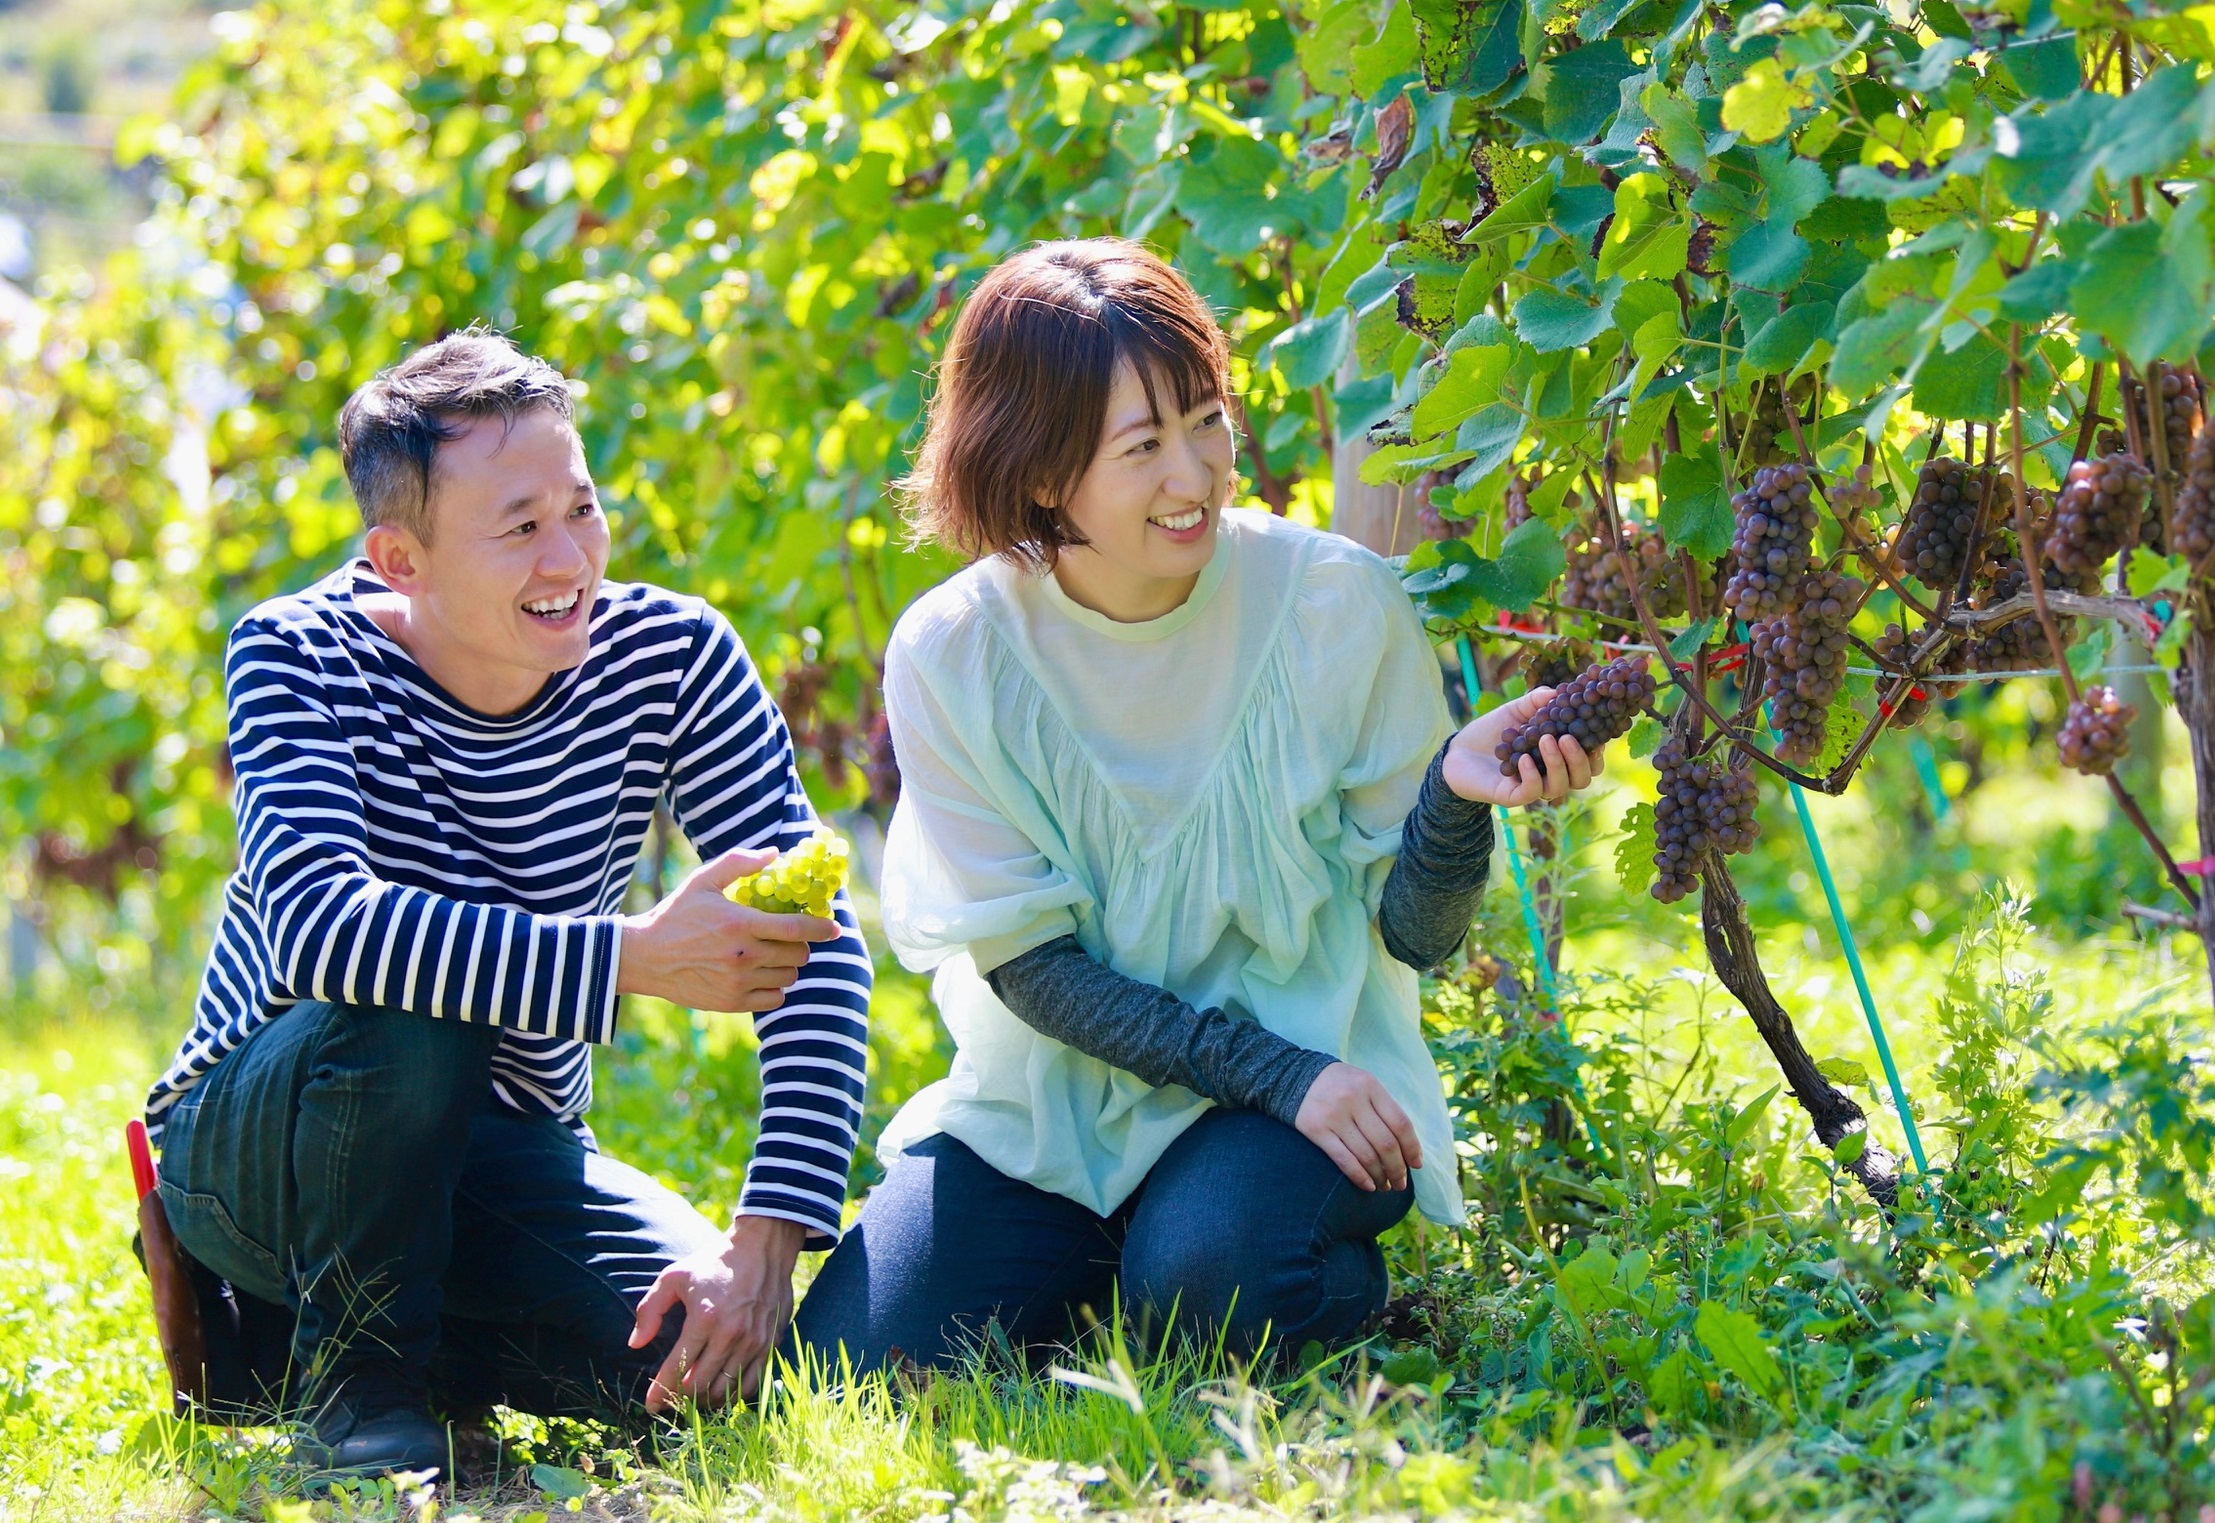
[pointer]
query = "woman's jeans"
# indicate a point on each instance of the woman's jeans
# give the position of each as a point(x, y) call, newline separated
point(1244, 1229)
point(346, 1169)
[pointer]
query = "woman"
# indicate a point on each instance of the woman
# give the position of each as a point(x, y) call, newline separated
point(1156, 760)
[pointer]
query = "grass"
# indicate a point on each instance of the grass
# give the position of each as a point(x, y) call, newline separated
point(1530, 1379)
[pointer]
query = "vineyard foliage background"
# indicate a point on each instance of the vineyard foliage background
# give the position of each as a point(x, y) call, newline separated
point(1480, 229)
point(1524, 259)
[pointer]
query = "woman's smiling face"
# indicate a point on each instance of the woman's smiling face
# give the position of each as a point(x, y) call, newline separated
point(1149, 504)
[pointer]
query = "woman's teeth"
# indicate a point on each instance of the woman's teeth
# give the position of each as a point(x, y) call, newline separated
point(1181, 521)
point(552, 608)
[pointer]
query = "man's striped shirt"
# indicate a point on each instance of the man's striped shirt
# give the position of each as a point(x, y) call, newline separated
point(400, 850)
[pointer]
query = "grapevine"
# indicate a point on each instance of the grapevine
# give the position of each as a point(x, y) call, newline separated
point(1934, 536)
point(2192, 525)
point(1774, 538)
point(1704, 806)
point(1554, 665)
point(1434, 524)
point(1803, 654)
point(2098, 512)
point(1893, 649)
point(2096, 735)
point(1593, 708)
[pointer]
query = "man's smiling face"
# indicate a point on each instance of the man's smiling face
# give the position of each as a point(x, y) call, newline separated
point(502, 594)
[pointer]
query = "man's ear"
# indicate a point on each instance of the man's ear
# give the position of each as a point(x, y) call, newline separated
point(398, 556)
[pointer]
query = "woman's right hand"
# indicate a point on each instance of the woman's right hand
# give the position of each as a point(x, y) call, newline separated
point(1350, 1117)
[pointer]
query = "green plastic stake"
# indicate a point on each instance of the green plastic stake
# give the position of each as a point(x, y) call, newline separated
point(1926, 769)
point(1471, 686)
point(1861, 980)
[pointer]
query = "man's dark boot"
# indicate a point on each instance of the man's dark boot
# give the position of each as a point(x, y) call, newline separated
point(376, 1421)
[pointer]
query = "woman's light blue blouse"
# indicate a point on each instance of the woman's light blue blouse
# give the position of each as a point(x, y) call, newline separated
point(1209, 801)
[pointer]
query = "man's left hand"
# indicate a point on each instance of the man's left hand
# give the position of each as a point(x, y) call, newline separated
point(1560, 768)
point(736, 1305)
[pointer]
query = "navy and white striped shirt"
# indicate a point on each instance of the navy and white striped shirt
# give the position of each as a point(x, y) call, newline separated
point(398, 849)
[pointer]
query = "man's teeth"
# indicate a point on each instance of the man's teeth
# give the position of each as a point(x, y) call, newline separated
point(1181, 521)
point(552, 605)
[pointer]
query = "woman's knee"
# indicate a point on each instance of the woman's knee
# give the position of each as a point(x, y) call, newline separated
point(1251, 1289)
point(1246, 1229)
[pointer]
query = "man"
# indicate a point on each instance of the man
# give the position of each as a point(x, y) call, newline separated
point(448, 755)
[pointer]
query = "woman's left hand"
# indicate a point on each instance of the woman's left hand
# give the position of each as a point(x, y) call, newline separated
point(1473, 767)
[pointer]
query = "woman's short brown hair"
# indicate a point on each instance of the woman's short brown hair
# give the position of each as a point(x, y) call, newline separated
point(1023, 390)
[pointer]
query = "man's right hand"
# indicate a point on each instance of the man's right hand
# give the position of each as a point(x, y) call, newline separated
point(698, 949)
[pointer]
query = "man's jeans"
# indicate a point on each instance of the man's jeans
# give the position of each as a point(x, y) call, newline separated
point(1244, 1227)
point(348, 1165)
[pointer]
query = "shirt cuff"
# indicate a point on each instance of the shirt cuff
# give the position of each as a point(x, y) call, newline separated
point(819, 1236)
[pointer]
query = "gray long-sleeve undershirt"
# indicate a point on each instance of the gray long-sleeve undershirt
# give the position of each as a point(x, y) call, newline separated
point(1430, 896)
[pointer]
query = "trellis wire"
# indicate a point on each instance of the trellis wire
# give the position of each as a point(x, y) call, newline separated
point(1548, 637)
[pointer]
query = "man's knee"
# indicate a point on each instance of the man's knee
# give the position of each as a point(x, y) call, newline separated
point(407, 1071)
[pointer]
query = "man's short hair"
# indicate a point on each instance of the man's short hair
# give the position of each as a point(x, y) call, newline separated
point(390, 429)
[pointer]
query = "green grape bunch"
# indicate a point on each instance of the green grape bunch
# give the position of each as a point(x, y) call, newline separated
point(802, 881)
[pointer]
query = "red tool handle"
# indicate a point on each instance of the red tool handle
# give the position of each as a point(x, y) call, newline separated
point(142, 1157)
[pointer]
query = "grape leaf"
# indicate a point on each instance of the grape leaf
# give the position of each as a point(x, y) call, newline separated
point(1648, 238)
point(1785, 339)
point(1326, 47)
point(2047, 155)
point(1842, 726)
point(1471, 381)
point(1581, 91)
point(2088, 657)
point(2046, 69)
point(1768, 256)
point(2038, 292)
point(1493, 433)
point(1550, 322)
point(2153, 125)
point(1524, 210)
point(1850, 1147)
point(1695, 504)
point(1308, 353)
point(2148, 289)
point(1645, 737)
point(1676, 126)
point(1468, 49)
point(1395, 52)
point(1759, 107)
point(1971, 382)
point(1634, 848)
point(2150, 573)
point(1226, 196)
point(1530, 559)
point(1689, 640)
